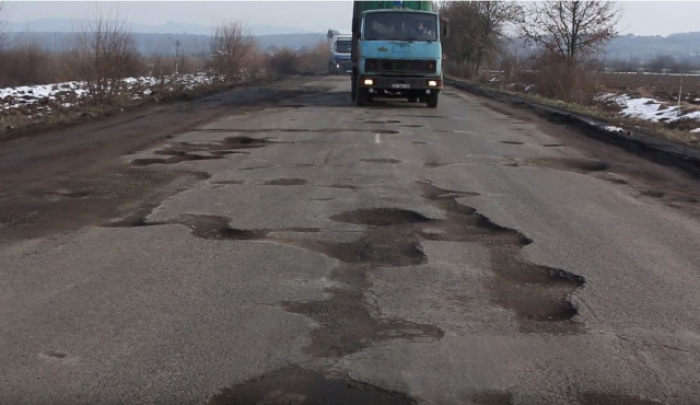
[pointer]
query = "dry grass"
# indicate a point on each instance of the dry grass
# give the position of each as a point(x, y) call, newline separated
point(662, 87)
point(679, 133)
point(15, 126)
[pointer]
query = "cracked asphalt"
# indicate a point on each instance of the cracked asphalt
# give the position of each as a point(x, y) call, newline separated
point(278, 245)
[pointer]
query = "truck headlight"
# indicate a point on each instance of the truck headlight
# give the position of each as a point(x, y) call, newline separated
point(432, 83)
point(369, 82)
point(337, 65)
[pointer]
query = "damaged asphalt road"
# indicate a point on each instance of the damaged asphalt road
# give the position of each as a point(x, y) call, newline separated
point(281, 246)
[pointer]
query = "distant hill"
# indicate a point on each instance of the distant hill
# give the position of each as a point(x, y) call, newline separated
point(647, 47)
point(635, 47)
point(164, 44)
point(59, 25)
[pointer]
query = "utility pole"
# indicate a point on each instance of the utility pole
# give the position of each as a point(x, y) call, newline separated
point(177, 54)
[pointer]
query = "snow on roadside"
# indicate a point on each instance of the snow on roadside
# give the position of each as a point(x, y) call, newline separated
point(646, 108)
point(695, 131)
point(69, 94)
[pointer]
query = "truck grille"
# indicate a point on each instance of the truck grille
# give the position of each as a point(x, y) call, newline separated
point(399, 66)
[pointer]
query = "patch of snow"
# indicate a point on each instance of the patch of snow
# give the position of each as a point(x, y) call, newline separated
point(613, 129)
point(649, 109)
point(695, 131)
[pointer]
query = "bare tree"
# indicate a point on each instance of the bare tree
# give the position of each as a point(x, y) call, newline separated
point(104, 52)
point(570, 29)
point(477, 28)
point(4, 11)
point(492, 17)
point(230, 43)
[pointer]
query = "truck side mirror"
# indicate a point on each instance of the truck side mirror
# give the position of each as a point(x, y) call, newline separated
point(330, 34)
point(444, 24)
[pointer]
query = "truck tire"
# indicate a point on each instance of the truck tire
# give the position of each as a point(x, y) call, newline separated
point(432, 100)
point(361, 96)
point(353, 87)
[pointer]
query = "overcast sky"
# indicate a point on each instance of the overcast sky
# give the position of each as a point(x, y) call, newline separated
point(641, 18)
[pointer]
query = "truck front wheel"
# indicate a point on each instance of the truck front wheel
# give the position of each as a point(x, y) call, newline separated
point(353, 87)
point(432, 99)
point(361, 96)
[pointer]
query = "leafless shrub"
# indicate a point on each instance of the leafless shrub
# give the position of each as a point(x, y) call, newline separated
point(561, 79)
point(26, 62)
point(314, 60)
point(283, 62)
point(231, 43)
point(104, 52)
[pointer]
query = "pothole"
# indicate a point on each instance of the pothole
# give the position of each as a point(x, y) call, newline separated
point(434, 165)
point(300, 130)
point(381, 217)
point(382, 121)
point(285, 182)
point(390, 161)
point(492, 398)
point(653, 193)
point(65, 195)
point(339, 186)
point(213, 227)
point(187, 151)
point(251, 168)
point(612, 399)
point(245, 142)
point(513, 142)
point(539, 296)
point(297, 386)
point(54, 354)
point(173, 160)
point(576, 165)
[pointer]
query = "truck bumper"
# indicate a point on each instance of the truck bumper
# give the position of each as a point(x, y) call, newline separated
point(401, 83)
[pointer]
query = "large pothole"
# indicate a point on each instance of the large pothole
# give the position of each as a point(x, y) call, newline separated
point(539, 296)
point(298, 386)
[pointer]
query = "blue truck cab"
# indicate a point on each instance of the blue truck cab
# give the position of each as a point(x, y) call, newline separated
point(397, 53)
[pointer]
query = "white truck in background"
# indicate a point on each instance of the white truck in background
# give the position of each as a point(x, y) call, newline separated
point(339, 47)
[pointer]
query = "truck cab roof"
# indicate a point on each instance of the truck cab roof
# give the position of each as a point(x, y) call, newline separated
point(392, 10)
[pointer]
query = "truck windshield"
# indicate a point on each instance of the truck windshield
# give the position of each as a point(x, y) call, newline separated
point(401, 26)
point(343, 46)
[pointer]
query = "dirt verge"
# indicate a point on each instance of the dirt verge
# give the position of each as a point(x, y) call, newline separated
point(656, 149)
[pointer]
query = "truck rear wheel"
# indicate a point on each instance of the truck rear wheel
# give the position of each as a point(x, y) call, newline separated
point(432, 100)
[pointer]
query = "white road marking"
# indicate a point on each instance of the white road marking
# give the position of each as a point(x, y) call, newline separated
point(377, 138)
